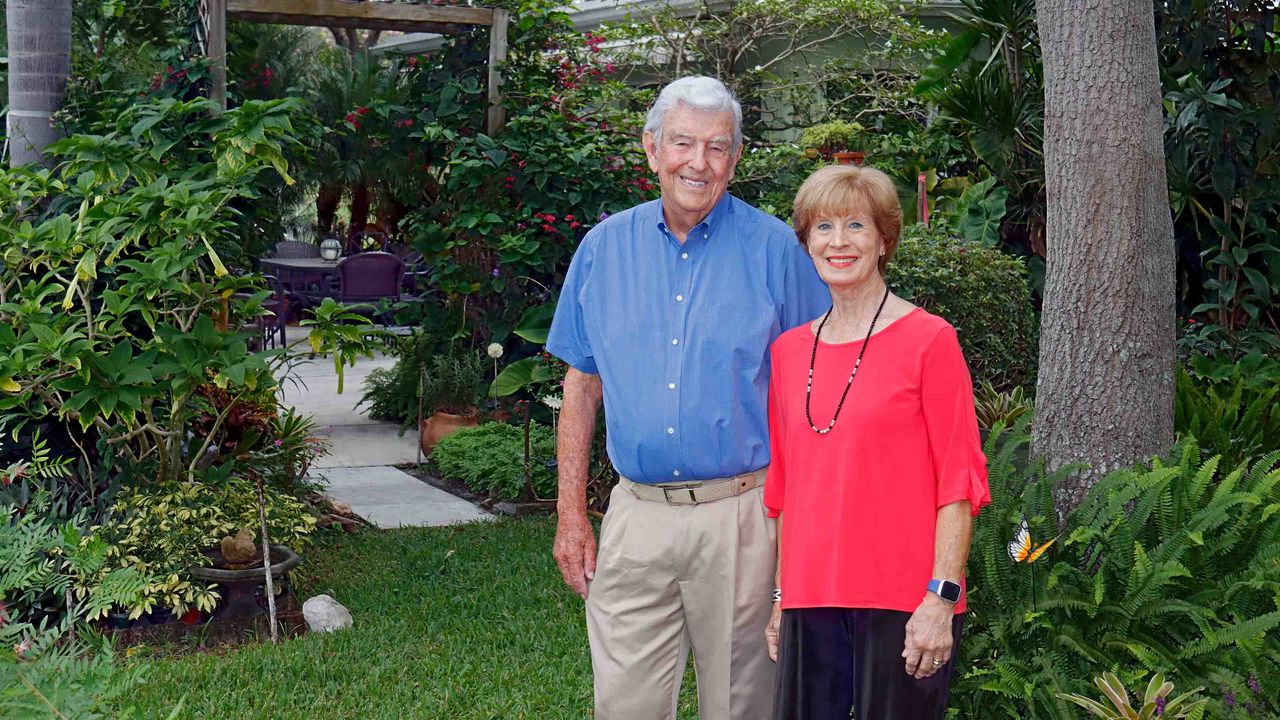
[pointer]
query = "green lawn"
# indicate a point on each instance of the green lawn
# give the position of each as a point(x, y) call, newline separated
point(464, 622)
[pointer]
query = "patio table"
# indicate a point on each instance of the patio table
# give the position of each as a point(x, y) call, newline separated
point(298, 273)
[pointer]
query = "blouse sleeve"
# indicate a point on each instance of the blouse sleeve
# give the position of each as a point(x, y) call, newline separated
point(775, 483)
point(952, 425)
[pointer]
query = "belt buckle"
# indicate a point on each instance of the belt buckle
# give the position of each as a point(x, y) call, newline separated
point(693, 499)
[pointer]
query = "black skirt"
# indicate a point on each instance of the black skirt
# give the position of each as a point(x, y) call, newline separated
point(837, 661)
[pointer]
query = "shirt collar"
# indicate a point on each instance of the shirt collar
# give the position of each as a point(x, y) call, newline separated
point(713, 220)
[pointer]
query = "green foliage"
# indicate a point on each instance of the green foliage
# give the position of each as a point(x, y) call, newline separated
point(979, 211)
point(455, 382)
point(162, 530)
point(829, 137)
point(980, 291)
point(392, 393)
point(1170, 569)
point(1221, 78)
point(1233, 415)
point(110, 280)
point(999, 408)
point(490, 458)
point(1154, 702)
point(768, 176)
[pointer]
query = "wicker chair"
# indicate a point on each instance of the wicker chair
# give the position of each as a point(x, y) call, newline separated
point(295, 249)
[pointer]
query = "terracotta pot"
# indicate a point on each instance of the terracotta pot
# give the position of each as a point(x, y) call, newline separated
point(848, 158)
point(441, 425)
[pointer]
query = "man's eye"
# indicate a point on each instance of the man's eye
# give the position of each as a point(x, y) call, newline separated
point(719, 149)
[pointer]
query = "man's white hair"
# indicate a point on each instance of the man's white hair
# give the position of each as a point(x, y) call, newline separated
point(700, 93)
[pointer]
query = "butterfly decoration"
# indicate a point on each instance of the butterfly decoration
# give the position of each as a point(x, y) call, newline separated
point(1020, 547)
point(1023, 550)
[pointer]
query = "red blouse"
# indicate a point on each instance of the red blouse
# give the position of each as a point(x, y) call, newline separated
point(861, 502)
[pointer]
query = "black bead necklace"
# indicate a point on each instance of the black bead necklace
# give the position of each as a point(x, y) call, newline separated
point(808, 391)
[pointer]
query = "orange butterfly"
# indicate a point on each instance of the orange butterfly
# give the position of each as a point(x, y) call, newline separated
point(1020, 546)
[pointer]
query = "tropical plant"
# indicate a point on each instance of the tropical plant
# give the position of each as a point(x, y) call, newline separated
point(999, 408)
point(1154, 703)
point(1172, 567)
point(111, 291)
point(455, 382)
point(1236, 416)
point(981, 291)
point(829, 137)
point(490, 459)
point(163, 530)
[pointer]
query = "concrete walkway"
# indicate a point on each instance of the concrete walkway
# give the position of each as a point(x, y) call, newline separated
point(357, 471)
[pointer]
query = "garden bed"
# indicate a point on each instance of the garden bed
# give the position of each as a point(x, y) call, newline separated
point(212, 633)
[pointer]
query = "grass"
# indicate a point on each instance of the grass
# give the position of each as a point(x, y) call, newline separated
point(468, 622)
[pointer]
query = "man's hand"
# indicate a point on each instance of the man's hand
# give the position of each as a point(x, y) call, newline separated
point(575, 551)
point(928, 637)
point(771, 631)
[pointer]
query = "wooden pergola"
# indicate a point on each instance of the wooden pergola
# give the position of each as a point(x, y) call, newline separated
point(407, 17)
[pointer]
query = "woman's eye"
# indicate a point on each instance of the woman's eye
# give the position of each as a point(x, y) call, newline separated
point(855, 225)
point(824, 226)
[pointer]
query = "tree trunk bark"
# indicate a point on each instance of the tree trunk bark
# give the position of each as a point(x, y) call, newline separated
point(1105, 393)
point(39, 64)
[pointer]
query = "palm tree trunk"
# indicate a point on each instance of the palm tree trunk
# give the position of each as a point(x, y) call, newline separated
point(39, 64)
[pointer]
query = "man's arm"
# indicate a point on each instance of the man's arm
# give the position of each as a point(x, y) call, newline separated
point(575, 545)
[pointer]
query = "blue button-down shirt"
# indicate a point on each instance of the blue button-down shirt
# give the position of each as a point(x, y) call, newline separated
point(680, 334)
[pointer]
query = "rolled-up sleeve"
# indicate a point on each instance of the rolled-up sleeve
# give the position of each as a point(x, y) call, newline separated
point(954, 442)
point(567, 339)
point(775, 483)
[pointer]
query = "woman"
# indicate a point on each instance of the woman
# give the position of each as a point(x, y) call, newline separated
point(877, 470)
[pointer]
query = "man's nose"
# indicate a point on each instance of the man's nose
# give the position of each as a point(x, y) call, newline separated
point(698, 160)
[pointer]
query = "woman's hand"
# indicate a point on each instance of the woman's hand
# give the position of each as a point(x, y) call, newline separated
point(928, 644)
point(771, 631)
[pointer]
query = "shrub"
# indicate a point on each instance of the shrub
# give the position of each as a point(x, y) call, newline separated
point(490, 458)
point(1231, 411)
point(455, 382)
point(392, 394)
point(979, 290)
point(162, 531)
point(1171, 568)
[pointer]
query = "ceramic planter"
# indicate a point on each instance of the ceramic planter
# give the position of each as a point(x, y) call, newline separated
point(443, 424)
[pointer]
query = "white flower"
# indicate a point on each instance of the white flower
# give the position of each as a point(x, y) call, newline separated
point(552, 401)
point(494, 350)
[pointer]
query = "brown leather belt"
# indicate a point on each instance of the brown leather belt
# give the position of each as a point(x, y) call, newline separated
point(696, 493)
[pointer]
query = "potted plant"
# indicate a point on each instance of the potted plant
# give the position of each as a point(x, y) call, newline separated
point(453, 389)
point(833, 140)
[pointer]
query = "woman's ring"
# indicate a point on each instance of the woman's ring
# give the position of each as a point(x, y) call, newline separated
point(936, 662)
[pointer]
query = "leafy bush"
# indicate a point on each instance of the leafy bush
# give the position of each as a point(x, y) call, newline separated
point(980, 291)
point(1170, 569)
point(490, 458)
point(162, 530)
point(455, 382)
point(1233, 414)
point(392, 393)
point(768, 177)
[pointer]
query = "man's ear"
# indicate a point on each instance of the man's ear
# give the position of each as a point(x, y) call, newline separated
point(650, 149)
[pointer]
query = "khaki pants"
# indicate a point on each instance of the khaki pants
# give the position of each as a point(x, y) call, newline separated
point(674, 577)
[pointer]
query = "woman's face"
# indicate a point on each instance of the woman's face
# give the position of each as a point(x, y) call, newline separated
point(845, 248)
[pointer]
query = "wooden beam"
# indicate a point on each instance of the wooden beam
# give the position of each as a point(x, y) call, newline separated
point(497, 55)
point(408, 17)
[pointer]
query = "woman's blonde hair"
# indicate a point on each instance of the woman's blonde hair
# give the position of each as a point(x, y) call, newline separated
point(841, 190)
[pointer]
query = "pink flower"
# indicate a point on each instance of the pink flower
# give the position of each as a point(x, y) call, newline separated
point(278, 443)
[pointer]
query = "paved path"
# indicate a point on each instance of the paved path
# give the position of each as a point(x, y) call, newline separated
point(358, 471)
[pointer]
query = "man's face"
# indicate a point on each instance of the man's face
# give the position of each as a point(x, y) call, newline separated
point(694, 160)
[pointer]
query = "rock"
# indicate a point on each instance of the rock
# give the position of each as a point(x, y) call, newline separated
point(324, 614)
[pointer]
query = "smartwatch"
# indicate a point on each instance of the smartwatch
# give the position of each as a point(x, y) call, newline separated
point(945, 589)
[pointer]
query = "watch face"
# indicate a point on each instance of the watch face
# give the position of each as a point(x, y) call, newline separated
point(949, 591)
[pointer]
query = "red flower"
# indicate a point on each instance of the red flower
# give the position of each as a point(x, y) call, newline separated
point(362, 110)
point(548, 228)
point(568, 218)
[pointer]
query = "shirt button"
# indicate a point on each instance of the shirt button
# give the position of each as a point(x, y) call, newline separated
point(684, 256)
point(671, 386)
point(679, 298)
point(676, 473)
point(671, 431)
point(675, 341)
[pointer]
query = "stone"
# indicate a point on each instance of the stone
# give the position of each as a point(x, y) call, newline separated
point(324, 614)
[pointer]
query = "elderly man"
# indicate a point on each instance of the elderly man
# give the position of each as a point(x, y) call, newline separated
point(666, 315)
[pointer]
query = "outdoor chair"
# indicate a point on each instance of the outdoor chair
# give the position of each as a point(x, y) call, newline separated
point(273, 326)
point(366, 279)
point(295, 249)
